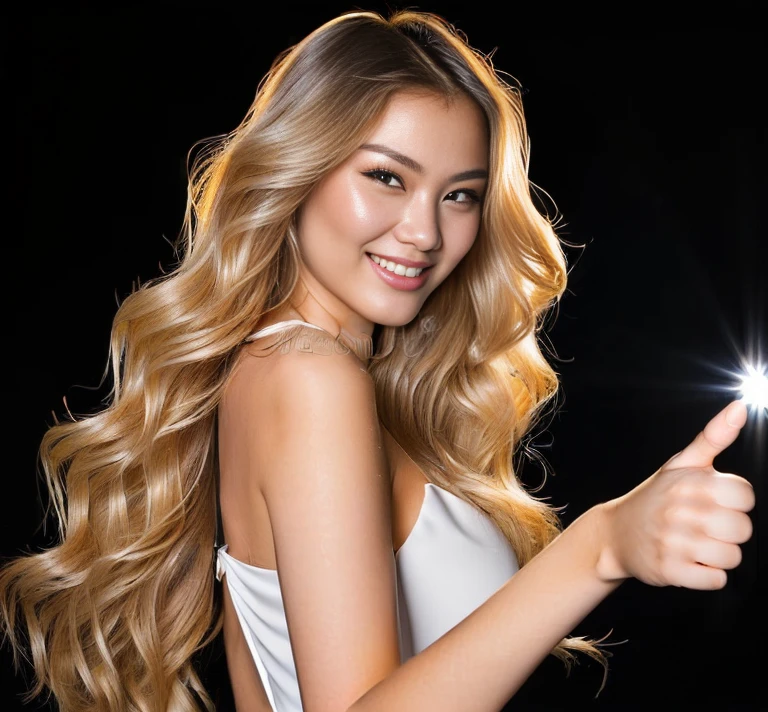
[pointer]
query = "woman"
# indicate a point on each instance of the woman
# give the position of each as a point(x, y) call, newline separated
point(356, 420)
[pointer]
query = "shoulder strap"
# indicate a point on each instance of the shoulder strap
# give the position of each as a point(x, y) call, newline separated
point(279, 326)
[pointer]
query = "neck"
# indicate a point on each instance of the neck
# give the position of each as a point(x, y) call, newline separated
point(350, 329)
point(361, 346)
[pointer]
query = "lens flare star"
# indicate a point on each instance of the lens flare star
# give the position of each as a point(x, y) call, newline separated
point(754, 388)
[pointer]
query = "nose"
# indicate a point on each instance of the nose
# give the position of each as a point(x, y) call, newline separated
point(419, 225)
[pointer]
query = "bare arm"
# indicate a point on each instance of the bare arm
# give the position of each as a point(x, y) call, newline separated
point(481, 662)
point(328, 495)
point(682, 526)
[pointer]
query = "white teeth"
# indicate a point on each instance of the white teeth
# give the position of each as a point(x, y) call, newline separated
point(397, 268)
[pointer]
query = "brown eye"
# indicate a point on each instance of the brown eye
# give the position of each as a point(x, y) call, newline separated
point(463, 196)
point(388, 178)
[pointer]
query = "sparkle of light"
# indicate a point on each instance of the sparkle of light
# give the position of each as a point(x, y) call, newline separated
point(754, 388)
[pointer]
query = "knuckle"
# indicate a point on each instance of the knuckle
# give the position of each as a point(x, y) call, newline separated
point(673, 514)
point(686, 488)
point(691, 483)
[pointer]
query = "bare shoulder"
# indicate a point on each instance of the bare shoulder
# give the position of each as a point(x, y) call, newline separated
point(289, 388)
point(309, 429)
point(295, 367)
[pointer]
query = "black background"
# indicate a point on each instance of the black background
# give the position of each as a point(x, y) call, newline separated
point(647, 129)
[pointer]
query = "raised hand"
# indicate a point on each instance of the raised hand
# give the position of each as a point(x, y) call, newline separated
point(684, 524)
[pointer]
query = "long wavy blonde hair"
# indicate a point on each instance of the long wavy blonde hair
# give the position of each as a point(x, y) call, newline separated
point(116, 611)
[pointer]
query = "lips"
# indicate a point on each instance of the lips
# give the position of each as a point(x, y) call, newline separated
point(402, 261)
point(399, 282)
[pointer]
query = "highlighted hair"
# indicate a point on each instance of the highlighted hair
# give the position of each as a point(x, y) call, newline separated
point(115, 612)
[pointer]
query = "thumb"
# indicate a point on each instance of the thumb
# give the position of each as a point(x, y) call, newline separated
point(718, 434)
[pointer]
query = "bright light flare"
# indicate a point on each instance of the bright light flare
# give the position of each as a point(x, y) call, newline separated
point(754, 388)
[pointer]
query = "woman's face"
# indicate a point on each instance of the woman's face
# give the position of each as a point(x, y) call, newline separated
point(411, 195)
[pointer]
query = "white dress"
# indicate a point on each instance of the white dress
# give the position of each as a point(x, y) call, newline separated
point(453, 560)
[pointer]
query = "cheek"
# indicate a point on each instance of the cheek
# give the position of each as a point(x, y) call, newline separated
point(461, 236)
point(362, 216)
point(344, 211)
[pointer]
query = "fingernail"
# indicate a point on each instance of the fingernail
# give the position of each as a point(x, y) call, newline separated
point(733, 414)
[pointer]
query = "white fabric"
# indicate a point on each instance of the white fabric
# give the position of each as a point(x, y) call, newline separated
point(452, 561)
point(280, 326)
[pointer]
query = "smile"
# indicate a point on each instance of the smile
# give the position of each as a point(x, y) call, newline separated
point(399, 277)
point(397, 268)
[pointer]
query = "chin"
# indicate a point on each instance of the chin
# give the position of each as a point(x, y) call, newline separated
point(395, 319)
point(386, 311)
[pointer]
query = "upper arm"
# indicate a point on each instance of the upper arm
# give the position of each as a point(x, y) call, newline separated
point(327, 488)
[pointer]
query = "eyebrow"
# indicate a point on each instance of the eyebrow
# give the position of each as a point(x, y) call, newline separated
point(416, 167)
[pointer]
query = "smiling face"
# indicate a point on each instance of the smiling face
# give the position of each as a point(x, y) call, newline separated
point(411, 194)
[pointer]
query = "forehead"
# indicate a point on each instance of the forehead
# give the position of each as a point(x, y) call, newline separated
point(436, 131)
